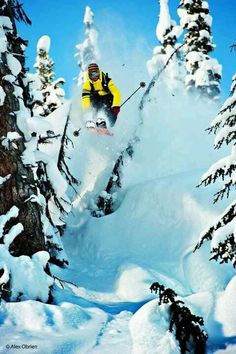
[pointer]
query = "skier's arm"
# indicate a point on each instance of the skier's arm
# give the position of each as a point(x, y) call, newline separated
point(116, 94)
point(86, 91)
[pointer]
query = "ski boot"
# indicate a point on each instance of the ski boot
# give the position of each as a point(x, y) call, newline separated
point(101, 123)
point(90, 124)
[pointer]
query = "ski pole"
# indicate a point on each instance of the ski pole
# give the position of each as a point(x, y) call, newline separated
point(142, 84)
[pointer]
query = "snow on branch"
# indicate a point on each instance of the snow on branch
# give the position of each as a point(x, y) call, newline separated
point(12, 213)
point(226, 218)
point(222, 168)
point(226, 115)
point(21, 276)
point(44, 43)
point(4, 179)
point(204, 72)
point(167, 33)
point(13, 233)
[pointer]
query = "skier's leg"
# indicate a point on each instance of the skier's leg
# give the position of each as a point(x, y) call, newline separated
point(97, 105)
point(111, 117)
point(107, 103)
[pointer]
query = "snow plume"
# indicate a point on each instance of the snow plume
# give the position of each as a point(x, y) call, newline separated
point(167, 33)
point(175, 150)
point(203, 72)
point(87, 51)
point(46, 92)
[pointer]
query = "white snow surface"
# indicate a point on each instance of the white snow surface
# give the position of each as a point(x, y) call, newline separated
point(226, 311)
point(13, 64)
point(150, 237)
point(150, 333)
point(108, 307)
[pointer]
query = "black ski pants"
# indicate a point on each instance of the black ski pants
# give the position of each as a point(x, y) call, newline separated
point(103, 102)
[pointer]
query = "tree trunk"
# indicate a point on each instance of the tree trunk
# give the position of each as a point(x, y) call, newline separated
point(20, 186)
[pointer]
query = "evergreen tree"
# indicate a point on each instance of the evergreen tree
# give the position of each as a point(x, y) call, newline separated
point(22, 240)
point(186, 326)
point(47, 95)
point(45, 98)
point(87, 50)
point(203, 72)
point(222, 232)
point(167, 33)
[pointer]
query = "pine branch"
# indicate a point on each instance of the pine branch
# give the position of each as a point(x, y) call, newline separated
point(229, 215)
point(228, 108)
point(227, 139)
point(19, 13)
point(220, 173)
point(62, 282)
point(45, 139)
point(185, 325)
point(206, 237)
point(69, 177)
point(230, 121)
point(233, 47)
point(213, 128)
point(61, 158)
point(223, 191)
point(226, 251)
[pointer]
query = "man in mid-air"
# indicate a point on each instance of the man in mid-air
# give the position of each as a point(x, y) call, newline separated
point(100, 93)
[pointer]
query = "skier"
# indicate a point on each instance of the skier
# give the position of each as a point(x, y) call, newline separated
point(100, 93)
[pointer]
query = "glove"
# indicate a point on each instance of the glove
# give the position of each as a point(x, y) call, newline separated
point(116, 111)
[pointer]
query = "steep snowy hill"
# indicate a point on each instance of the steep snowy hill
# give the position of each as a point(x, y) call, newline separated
point(150, 237)
point(106, 305)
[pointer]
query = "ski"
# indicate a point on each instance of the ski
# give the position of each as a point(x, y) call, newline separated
point(100, 131)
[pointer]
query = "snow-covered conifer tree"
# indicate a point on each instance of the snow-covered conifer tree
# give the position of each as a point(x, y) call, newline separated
point(186, 326)
point(203, 72)
point(47, 95)
point(167, 33)
point(87, 50)
point(222, 233)
point(24, 257)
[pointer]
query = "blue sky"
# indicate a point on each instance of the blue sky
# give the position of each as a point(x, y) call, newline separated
point(133, 21)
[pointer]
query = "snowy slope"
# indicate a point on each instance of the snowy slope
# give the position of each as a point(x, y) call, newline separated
point(108, 306)
point(152, 234)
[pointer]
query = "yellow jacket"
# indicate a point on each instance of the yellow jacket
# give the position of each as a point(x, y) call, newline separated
point(98, 88)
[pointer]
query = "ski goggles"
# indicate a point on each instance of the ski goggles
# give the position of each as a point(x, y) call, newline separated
point(93, 75)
